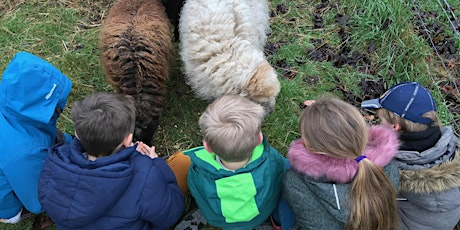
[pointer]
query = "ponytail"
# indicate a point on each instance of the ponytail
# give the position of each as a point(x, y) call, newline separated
point(372, 199)
point(337, 129)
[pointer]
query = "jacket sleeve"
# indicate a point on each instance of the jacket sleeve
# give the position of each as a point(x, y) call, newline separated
point(295, 193)
point(391, 170)
point(22, 173)
point(162, 202)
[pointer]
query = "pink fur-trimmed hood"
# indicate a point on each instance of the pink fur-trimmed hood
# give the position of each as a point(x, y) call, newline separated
point(382, 146)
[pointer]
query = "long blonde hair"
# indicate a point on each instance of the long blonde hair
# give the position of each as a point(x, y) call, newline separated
point(335, 128)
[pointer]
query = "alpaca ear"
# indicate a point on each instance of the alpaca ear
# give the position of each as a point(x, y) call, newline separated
point(264, 82)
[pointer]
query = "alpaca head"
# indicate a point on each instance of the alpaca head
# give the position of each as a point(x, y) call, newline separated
point(263, 87)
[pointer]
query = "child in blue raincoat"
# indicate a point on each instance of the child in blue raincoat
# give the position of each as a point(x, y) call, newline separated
point(32, 94)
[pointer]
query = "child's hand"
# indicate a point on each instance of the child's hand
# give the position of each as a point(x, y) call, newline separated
point(146, 150)
point(308, 102)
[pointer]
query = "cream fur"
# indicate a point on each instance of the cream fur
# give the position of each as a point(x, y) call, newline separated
point(222, 44)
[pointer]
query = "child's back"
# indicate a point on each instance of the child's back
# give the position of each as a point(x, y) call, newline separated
point(32, 94)
point(428, 157)
point(81, 188)
point(341, 176)
point(239, 199)
point(124, 191)
point(318, 187)
point(235, 188)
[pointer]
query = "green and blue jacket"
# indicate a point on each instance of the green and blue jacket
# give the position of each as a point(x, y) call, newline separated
point(242, 199)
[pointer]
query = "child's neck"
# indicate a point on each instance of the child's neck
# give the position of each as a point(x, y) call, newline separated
point(93, 158)
point(234, 165)
point(90, 157)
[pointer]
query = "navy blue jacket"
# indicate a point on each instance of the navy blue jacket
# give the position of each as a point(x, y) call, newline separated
point(126, 190)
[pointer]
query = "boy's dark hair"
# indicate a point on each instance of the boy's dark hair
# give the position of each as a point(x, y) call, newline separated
point(102, 120)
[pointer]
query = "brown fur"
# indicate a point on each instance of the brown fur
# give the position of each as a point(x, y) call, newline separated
point(260, 88)
point(259, 85)
point(436, 179)
point(136, 46)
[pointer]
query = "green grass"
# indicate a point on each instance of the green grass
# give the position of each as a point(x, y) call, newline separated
point(65, 33)
point(400, 55)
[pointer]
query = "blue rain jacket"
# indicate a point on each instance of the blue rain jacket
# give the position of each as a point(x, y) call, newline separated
point(30, 91)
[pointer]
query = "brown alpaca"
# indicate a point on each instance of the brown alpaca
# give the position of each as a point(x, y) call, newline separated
point(135, 46)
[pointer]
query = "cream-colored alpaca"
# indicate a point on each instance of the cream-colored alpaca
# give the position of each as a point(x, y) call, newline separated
point(222, 43)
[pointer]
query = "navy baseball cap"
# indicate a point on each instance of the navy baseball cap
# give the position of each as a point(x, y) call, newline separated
point(409, 100)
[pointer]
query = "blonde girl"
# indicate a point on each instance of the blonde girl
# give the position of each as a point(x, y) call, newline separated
point(341, 176)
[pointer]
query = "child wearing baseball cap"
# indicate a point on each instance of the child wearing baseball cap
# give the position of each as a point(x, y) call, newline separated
point(428, 157)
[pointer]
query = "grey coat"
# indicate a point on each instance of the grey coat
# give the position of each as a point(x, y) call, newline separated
point(317, 186)
point(430, 185)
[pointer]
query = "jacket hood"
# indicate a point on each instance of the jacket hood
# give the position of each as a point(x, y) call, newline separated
point(90, 189)
point(435, 179)
point(441, 151)
point(381, 147)
point(31, 89)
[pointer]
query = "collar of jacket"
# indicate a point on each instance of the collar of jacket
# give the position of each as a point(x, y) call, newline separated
point(435, 179)
point(210, 158)
point(442, 151)
point(207, 159)
point(381, 147)
point(420, 141)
